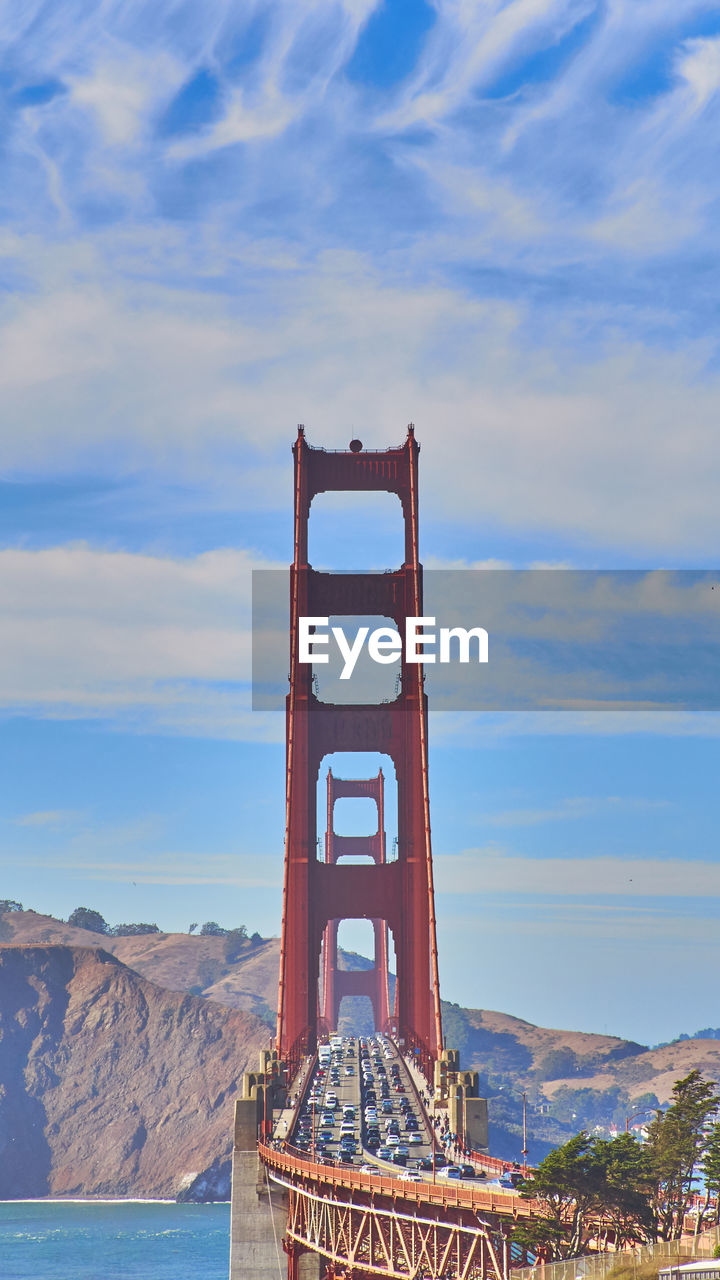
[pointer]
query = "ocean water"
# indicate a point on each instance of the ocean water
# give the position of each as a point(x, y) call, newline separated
point(113, 1240)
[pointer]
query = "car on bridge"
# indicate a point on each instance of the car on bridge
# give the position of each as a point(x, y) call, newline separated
point(450, 1171)
point(426, 1162)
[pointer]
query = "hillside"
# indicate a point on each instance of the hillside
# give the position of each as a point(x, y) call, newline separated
point(571, 1079)
point(655, 1070)
point(112, 1085)
point(177, 961)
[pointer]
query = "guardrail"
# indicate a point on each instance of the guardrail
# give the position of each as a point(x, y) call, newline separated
point(441, 1194)
point(594, 1266)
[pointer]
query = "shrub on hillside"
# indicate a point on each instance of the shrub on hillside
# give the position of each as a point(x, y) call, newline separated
point(86, 918)
point(132, 930)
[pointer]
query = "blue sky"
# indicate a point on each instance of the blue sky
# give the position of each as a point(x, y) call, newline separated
point(495, 219)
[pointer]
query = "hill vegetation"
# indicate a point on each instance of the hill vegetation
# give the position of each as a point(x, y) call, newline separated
point(571, 1080)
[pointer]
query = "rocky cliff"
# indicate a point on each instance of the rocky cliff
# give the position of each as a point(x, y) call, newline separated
point(571, 1079)
point(111, 1085)
point(178, 961)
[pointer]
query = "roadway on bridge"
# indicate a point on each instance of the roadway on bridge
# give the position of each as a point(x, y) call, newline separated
point(362, 1110)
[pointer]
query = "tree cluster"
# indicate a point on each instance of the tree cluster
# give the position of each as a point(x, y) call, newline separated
point(595, 1189)
point(86, 918)
point(8, 904)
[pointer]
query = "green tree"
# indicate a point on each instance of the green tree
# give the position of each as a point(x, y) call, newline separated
point(211, 929)
point(711, 1172)
point(590, 1184)
point(543, 1237)
point(235, 942)
point(566, 1185)
point(86, 918)
point(677, 1140)
point(558, 1064)
point(132, 930)
point(625, 1196)
point(9, 904)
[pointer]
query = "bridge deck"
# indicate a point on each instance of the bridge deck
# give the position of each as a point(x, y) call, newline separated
point(318, 1168)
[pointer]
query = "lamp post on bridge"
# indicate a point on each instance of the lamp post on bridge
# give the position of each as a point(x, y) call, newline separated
point(644, 1111)
point(524, 1152)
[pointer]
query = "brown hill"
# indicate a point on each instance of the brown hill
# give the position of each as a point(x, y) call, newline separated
point(178, 961)
point(568, 1076)
point(555, 1059)
point(111, 1085)
point(654, 1071)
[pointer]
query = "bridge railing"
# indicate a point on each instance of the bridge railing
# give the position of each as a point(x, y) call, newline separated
point(595, 1266)
point(439, 1193)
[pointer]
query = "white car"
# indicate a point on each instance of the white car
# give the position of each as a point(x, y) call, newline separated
point(409, 1176)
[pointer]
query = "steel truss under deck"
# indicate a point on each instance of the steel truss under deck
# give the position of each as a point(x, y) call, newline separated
point(361, 1240)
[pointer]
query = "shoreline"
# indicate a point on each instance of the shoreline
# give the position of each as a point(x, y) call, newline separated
point(108, 1200)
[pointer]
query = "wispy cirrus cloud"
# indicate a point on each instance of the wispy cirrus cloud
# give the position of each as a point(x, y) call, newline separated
point(52, 818)
point(496, 871)
point(243, 216)
point(573, 808)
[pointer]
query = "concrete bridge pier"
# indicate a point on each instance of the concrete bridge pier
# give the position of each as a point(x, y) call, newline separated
point(305, 1265)
point(258, 1215)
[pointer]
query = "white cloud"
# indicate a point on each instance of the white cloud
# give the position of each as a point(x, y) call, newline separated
point(122, 90)
point(173, 868)
point(574, 807)
point(699, 66)
point(134, 637)
point(100, 374)
point(53, 818)
point(493, 871)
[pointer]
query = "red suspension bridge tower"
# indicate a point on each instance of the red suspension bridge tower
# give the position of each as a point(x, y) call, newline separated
point(333, 1220)
point(317, 894)
point(336, 982)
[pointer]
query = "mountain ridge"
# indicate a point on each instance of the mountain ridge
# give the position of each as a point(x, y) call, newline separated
point(112, 1085)
point(570, 1079)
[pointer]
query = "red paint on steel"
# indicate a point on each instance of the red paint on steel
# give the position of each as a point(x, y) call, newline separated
point(400, 894)
point(338, 1184)
point(373, 983)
